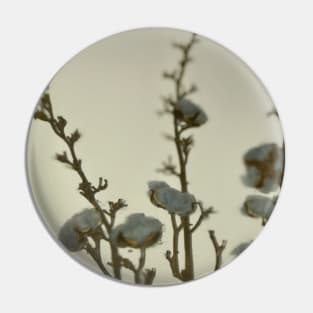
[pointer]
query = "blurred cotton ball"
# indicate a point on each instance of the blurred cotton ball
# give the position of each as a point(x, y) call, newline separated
point(155, 184)
point(259, 206)
point(190, 112)
point(172, 200)
point(138, 231)
point(86, 220)
point(264, 167)
point(240, 248)
point(71, 233)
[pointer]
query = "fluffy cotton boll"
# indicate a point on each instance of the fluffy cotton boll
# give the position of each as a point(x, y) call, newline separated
point(261, 153)
point(240, 248)
point(174, 201)
point(138, 231)
point(70, 238)
point(87, 220)
point(190, 112)
point(252, 176)
point(259, 206)
point(264, 167)
point(170, 199)
point(71, 232)
point(155, 184)
point(139, 228)
point(269, 185)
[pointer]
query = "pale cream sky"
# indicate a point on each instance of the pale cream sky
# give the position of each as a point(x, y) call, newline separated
point(111, 92)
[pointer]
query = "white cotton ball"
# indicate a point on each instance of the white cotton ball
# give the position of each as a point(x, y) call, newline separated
point(69, 237)
point(155, 184)
point(264, 167)
point(138, 231)
point(175, 201)
point(252, 177)
point(82, 222)
point(191, 112)
point(87, 219)
point(259, 206)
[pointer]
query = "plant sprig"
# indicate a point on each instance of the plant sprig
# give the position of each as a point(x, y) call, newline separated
point(184, 145)
point(89, 190)
point(86, 188)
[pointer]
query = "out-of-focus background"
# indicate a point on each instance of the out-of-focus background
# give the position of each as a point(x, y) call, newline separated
point(111, 92)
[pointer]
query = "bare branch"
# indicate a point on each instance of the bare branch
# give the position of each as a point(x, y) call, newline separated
point(173, 258)
point(192, 89)
point(114, 208)
point(204, 213)
point(219, 248)
point(170, 75)
point(141, 276)
point(169, 168)
point(183, 149)
point(172, 261)
point(149, 276)
point(102, 185)
point(74, 137)
point(58, 126)
point(186, 145)
point(85, 187)
point(95, 253)
point(63, 158)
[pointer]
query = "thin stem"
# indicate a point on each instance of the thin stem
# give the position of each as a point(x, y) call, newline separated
point(87, 190)
point(219, 248)
point(149, 276)
point(115, 258)
point(186, 58)
point(188, 272)
point(173, 259)
point(175, 243)
point(141, 276)
point(182, 163)
point(198, 223)
point(204, 213)
point(96, 255)
point(141, 264)
point(177, 77)
point(77, 165)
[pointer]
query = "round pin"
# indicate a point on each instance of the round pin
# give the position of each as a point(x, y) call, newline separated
point(155, 156)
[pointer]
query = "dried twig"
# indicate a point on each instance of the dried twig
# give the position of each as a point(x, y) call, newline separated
point(173, 257)
point(141, 276)
point(96, 255)
point(168, 168)
point(219, 248)
point(204, 213)
point(183, 147)
point(58, 124)
point(85, 187)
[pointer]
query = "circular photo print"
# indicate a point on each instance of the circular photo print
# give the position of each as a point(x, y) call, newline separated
point(155, 156)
